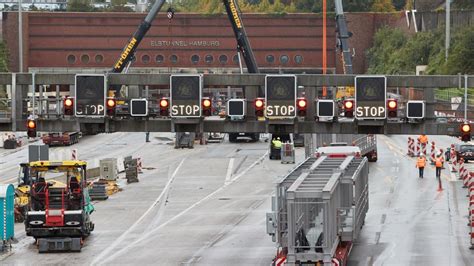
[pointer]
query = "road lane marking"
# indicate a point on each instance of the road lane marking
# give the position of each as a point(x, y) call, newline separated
point(229, 171)
point(134, 225)
point(141, 238)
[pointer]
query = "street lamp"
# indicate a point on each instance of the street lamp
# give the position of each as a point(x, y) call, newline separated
point(20, 37)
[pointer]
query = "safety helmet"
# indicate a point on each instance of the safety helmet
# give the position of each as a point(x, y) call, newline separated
point(278, 138)
point(422, 154)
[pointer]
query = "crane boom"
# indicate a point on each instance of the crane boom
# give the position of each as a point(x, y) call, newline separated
point(128, 51)
point(243, 44)
point(343, 36)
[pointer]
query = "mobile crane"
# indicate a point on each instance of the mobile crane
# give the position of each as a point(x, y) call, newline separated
point(245, 50)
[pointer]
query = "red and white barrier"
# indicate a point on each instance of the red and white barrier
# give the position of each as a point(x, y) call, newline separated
point(74, 155)
point(463, 174)
point(433, 152)
point(418, 144)
point(411, 147)
point(423, 148)
point(453, 159)
point(471, 208)
point(139, 165)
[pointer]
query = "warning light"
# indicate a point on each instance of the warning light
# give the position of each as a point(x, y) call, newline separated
point(206, 107)
point(348, 108)
point(31, 128)
point(465, 132)
point(259, 107)
point(301, 104)
point(392, 106)
point(164, 107)
point(68, 105)
point(111, 103)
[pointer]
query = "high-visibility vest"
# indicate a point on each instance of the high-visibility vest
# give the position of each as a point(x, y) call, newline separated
point(276, 143)
point(439, 162)
point(421, 163)
point(423, 139)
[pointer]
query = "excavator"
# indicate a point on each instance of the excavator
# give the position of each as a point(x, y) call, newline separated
point(59, 208)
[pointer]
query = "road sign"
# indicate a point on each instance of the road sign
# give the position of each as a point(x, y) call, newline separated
point(370, 97)
point(236, 107)
point(280, 96)
point(416, 109)
point(185, 95)
point(455, 101)
point(325, 108)
point(138, 107)
point(90, 92)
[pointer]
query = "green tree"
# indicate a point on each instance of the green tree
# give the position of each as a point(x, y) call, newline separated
point(468, 4)
point(386, 43)
point(3, 57)
point(382, 6)
point(80, 6)
point(119, 6)
point(461, 53)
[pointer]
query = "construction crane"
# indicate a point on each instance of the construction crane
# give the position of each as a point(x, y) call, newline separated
point(128, 52)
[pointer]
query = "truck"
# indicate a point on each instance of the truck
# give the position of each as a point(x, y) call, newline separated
point(366, 143)
point(319, 208)
point(61, 139)
point(59, 212)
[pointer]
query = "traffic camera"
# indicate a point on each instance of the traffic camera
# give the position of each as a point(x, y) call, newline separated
point(111, 104)
point(466, 132)
point(164, 106)
point(348, 108)
point(392, 106)
point(206, 106)
point(259, 107)
point(31, 128)
point(68, 106)
point(302, 106)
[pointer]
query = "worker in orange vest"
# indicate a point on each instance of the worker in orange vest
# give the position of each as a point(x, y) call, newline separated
point(423, 139)
point(439, 161)
point(420, 164)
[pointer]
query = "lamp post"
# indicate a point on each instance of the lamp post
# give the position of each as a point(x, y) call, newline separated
point(448, 27)
point(20, 37)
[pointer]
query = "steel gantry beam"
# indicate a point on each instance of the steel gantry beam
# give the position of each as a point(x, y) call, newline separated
point(22, 101)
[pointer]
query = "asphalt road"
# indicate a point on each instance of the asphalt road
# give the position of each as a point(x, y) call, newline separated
point(188, 205)
point(206, 206)
point(409, 221)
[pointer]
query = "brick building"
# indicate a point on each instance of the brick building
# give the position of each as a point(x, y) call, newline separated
point(289, 43)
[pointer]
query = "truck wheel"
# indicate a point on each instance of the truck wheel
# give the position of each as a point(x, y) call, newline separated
point(232, 138)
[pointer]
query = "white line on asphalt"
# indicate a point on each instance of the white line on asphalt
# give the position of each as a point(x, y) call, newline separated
point(229, 171)
point(134, 225)
point(141, 238)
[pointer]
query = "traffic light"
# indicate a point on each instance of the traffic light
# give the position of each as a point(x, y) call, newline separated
point(206, 106)
point(392, 107)
point(259, 107)
point(111, 104)
point(68, 105)
point(31, 128)
point(348, 108)
point(465, 132)
point(164, 106)
point(301, 106)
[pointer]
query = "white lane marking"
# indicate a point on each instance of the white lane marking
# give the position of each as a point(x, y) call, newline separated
point(134, 225)
point(143, 237)
point(229, 171)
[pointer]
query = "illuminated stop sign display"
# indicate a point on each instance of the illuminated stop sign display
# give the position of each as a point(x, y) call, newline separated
point(370, 97)
point(90, 91)
point(185, 95)
point(280, 96)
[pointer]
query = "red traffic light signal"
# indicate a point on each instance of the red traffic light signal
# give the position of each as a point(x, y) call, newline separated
point(164, 106)
point(392, 106)
point(68, 106)
point(111, 104)
point(348, 108)
point(31, 128)
point(259, 107)
point(301, 105)
point(465, 132)
point(206, 106)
